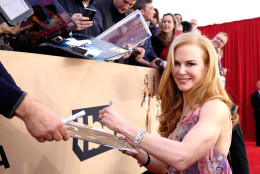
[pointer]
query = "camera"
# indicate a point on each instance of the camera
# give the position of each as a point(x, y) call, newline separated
point(160, 63)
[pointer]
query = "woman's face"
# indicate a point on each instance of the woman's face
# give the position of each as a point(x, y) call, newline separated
point(189, 67)
point(167, 24)
point(178, 18)
point(219, 40)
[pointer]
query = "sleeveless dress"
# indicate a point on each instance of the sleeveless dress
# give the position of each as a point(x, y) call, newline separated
point(213, 162)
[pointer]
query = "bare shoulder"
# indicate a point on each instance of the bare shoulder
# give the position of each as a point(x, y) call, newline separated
point(214, 104)
point(216, 108)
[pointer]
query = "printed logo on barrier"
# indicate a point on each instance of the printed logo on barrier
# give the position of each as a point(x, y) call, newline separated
point(91, 118)
point(4, 161)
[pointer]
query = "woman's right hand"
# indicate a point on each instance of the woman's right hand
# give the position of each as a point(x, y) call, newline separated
point(109, 117)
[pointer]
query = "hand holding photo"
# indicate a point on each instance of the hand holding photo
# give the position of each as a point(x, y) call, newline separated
point(90, 47)
point(92, 134)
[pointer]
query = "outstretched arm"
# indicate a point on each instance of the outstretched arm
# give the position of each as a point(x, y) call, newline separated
point(42, 123)
point(213, 124)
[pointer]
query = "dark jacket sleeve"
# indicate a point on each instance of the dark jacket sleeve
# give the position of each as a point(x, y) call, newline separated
point(253, 101)
point(150, 55)
point(238, 154)
point(11, 95)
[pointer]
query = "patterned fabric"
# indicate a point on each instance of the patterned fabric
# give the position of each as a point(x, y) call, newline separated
point(213, 162)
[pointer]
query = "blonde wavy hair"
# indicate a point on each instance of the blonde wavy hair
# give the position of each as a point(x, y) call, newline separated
point(207, 89)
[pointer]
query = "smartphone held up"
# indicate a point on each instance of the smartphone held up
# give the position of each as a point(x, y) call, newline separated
point(90, 13)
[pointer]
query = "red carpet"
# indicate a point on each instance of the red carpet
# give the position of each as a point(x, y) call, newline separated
point(253, 155)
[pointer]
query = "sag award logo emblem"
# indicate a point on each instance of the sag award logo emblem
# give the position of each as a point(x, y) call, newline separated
point(84, 149)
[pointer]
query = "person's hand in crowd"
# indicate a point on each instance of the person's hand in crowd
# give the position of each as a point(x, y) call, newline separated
point(139, 52)
point(81, 21)
point(4, 28)
point(41, 122)
point(156, 63)
point(127, 55)
point(57, 39)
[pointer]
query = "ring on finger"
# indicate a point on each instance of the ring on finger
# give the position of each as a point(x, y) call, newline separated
point(49, 138)
point(100, 117)
point(41, 139)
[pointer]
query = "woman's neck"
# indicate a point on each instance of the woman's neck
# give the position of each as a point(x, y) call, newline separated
point(187, 105)
point(169, 36)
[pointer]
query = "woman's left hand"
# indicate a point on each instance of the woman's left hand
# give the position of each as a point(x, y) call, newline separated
point(129, 153)
point(109, 117)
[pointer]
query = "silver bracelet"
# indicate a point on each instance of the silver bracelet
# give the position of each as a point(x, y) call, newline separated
point(138, 138)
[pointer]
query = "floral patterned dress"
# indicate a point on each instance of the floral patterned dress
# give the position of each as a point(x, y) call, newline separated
point(213, 162)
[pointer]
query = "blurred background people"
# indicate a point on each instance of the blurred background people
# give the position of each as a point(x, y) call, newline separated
point(194, 24)
point(255, 101)
point(161, 42)
point(155, 22)
point(112, 11)
point(178, 26)
point(219, 41)
point(186, 26)
point(76, 9)
point(150, 57)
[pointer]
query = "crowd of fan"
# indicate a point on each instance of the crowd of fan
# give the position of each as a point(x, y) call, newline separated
point(151, 53)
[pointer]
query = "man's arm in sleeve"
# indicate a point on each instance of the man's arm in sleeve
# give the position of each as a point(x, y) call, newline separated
point(10, 94)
